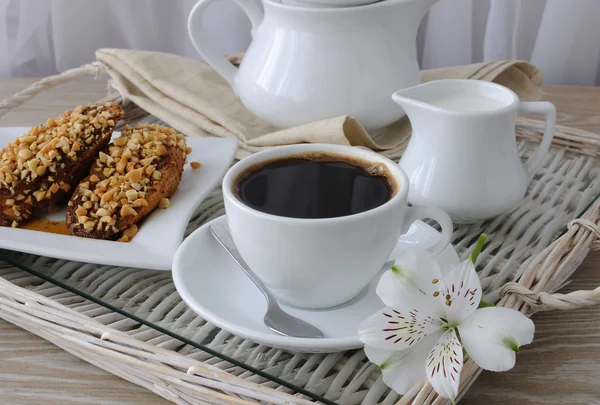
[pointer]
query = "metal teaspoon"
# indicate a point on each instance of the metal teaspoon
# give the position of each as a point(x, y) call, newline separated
point(275, 318)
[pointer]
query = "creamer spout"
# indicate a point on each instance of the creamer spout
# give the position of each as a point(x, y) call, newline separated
point(413, 98)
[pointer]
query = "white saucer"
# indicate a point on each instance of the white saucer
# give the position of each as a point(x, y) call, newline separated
point(214, 287)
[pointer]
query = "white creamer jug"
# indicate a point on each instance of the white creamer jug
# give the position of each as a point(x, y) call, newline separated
point(462, 155)
point(310, 63)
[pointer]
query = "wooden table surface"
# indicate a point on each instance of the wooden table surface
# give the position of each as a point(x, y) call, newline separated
point(562, 366)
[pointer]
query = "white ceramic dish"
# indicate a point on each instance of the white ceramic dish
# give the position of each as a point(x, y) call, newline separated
point(342, 59)
point(160, 234)
point(462, 156)
point(287, 254)
point(214, 287)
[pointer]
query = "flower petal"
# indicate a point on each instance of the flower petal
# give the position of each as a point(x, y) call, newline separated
point(444, 364)
point(403, 369)
point(393, 329)
point(460, 292)
point(492, 335)
point(409, 283)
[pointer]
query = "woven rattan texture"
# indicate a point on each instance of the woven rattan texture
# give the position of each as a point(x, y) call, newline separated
point(562, 188)
point(531, 245)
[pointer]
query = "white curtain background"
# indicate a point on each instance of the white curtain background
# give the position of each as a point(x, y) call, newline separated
point(43, 37)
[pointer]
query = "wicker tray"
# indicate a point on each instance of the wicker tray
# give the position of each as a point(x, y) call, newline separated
point(132, 323)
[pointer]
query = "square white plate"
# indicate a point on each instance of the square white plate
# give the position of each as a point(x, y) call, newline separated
point(159, 235)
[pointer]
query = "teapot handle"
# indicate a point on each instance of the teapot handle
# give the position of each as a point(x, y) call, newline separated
point(549, 111)
point(217, 61)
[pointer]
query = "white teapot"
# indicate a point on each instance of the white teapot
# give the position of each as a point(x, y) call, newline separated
point(310, 63)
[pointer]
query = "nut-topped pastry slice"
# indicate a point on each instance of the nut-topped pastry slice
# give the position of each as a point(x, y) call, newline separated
point(40, 168)
point(131, 177)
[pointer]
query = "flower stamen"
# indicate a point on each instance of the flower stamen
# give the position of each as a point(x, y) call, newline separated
point(446, 327)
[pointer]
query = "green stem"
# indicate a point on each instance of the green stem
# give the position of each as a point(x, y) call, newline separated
point(478, 247)
point(484, 304)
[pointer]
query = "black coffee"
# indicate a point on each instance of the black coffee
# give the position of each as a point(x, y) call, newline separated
point(315, 185)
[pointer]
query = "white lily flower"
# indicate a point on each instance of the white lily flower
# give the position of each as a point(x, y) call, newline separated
point(431, 314)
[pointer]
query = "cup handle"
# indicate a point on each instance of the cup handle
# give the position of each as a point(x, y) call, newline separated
point(217, 61)
point(549, 111)
point(425, 211)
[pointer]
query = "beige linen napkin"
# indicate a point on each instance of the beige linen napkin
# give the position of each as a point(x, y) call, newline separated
point(190, 96)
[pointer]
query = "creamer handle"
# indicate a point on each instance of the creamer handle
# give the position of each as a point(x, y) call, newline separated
point(549, 112)
point(425, 211)
point(202, 44)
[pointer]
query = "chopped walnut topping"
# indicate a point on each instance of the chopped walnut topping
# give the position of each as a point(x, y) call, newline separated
point(28, 163)
point(164, 203)
point(128, 210)
point(121, 141)
point(131, 231)
point(131, 195)
point(39, 195)
point(102, 212)
point(108, 219)
point(140, 202)
point(122, 176)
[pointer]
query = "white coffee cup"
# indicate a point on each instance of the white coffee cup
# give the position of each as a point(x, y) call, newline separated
point(320, 263)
